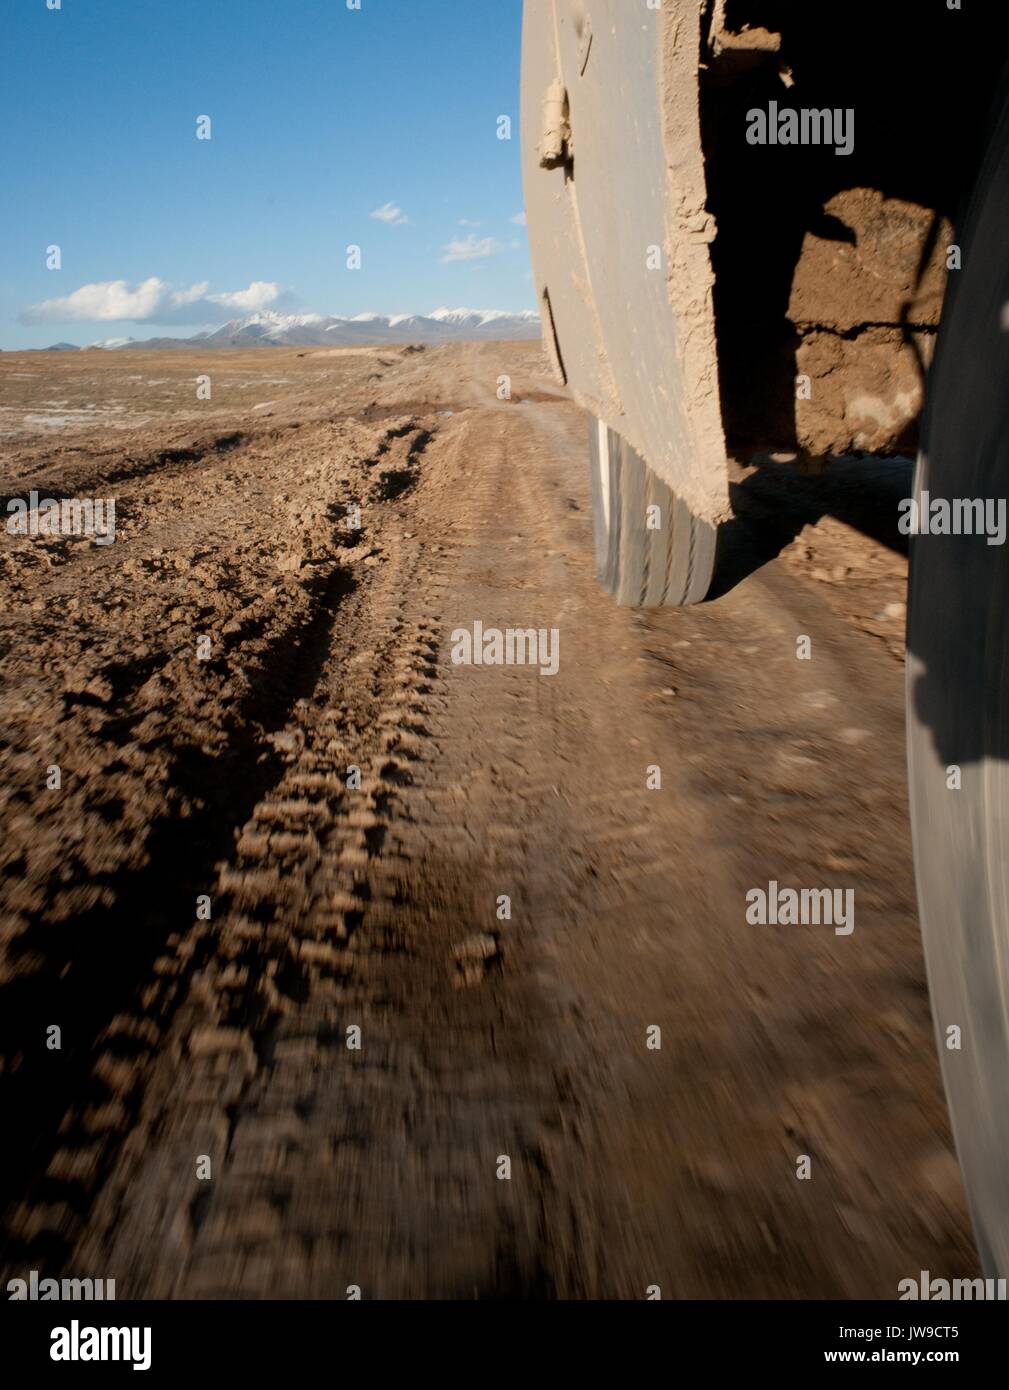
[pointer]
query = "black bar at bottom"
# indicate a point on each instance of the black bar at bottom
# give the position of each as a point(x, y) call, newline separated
point(296, 1340)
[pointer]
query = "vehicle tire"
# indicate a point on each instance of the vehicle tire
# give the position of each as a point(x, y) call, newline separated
point(958, 709)
point(651, 551)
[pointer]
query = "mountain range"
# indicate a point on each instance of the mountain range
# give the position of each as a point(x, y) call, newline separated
point(267, 328)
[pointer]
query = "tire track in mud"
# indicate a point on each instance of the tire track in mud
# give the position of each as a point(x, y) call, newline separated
point(84, 970)
point(369, 907)
point(135, 916)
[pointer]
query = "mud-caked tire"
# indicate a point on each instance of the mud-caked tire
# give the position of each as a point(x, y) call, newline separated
point(651, 551)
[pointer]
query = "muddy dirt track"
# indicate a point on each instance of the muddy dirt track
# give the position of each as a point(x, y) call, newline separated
point(337, 907)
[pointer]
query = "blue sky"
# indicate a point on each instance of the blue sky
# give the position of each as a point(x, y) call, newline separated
point(320, 115)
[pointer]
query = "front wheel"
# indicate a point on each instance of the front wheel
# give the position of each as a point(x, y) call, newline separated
point(651, 551)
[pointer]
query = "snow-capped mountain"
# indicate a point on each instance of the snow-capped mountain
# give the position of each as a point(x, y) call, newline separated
point(483, 318)
point(266, 328)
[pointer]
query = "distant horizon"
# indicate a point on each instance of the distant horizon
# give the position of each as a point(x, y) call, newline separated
point(440, 325)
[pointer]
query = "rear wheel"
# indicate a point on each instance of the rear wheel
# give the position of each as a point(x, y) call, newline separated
point(651, 551)
point(958, 710)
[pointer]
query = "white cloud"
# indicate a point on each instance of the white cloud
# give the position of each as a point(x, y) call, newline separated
point(112, 299)
point(519, 219)
point(390, 213)
point(259, 295)
point(190, 296)
point(472, 249)
point(465, 222)
point(151, 301)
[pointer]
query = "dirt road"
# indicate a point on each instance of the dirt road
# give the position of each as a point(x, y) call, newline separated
point(316, 1087)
